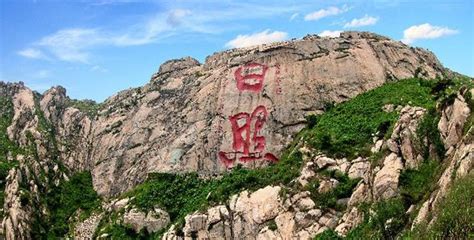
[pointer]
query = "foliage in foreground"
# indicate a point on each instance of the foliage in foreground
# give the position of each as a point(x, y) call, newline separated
point(416, 184)
point(67, 199)
point(455, 214)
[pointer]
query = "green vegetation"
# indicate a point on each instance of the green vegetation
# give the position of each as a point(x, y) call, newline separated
point(6, 145)
point(415, 184)
point(181, 194)
point(342, 190)
point(455, 214)
point(272, 225)
point(67, 199)
point(428, 135)
point(89, 107)
point(328, 234)
point(346, 130)
point(363, 119)
point(382, 220)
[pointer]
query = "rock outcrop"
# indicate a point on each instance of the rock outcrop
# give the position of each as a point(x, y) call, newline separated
point(187, 118)
point(269, 214)
point(241, 106)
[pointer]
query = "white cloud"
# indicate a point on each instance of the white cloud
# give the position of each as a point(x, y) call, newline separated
point(360, 22)
point(97, 68)
point(425, 31)
point(293, 16)
point(257, 38)
point(176, 16)
point(322, 13)
point(42, 74)
point(32, 53)
point(329, 33)
point(69, 44)
point(79, 44)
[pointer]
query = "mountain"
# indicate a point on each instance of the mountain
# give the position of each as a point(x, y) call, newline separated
point(279, 141)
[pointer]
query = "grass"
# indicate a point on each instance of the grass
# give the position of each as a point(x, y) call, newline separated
point(181, 194)
point(66, 199)
point(415, 184)
point(329, 199)
point(346, 130)
point(89, 107)
point(328, 234)
point(382, 220)
point(455, 214)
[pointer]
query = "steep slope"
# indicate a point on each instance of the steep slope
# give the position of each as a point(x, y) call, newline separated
point(380, 194)
point(192, 117)
point(241, 107)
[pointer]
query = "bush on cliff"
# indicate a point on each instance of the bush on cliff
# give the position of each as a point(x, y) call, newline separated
point(346, 130)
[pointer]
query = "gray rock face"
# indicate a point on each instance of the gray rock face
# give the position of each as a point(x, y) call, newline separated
point(460, 154)
point(296, 216)
point(196, 117)
point(240, 107)
point(248, 216)
point(152, 221)
point(85, 230)
point(452, 121)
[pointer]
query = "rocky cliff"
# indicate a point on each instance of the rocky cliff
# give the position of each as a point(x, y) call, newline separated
point(240, 107)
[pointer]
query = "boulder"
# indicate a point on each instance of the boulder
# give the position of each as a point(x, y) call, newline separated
point(152, 221)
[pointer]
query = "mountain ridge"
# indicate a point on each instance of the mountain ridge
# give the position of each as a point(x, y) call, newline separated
point(240, 109)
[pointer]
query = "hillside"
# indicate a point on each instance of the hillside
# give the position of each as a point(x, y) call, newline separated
point(357, 136)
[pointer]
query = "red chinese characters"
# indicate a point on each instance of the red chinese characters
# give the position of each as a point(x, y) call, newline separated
point(248, 143)
point(250, 77)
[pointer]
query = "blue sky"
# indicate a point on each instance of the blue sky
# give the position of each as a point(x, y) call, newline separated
point(96, 48)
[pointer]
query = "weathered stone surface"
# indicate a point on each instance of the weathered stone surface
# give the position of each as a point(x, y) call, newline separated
point(452, 121)
point(351, 219)
point(85, 230)
point(133, 136)
point(259, 206)
point(119, 204)
point(152, 221)
point(181, 121)
point(404, 133)
point(386, 180)
point(17, 220)
point(359, 169)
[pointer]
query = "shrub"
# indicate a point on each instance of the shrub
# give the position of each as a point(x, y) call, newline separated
point(415, 184)
point(181, 194)
point(328, 234)
point(311, 120)
point(428, 134)
point(382, 220)
point(342, 190)
point(346, 130)
point(454, 214)
point(65, 199)
point(89, 107)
